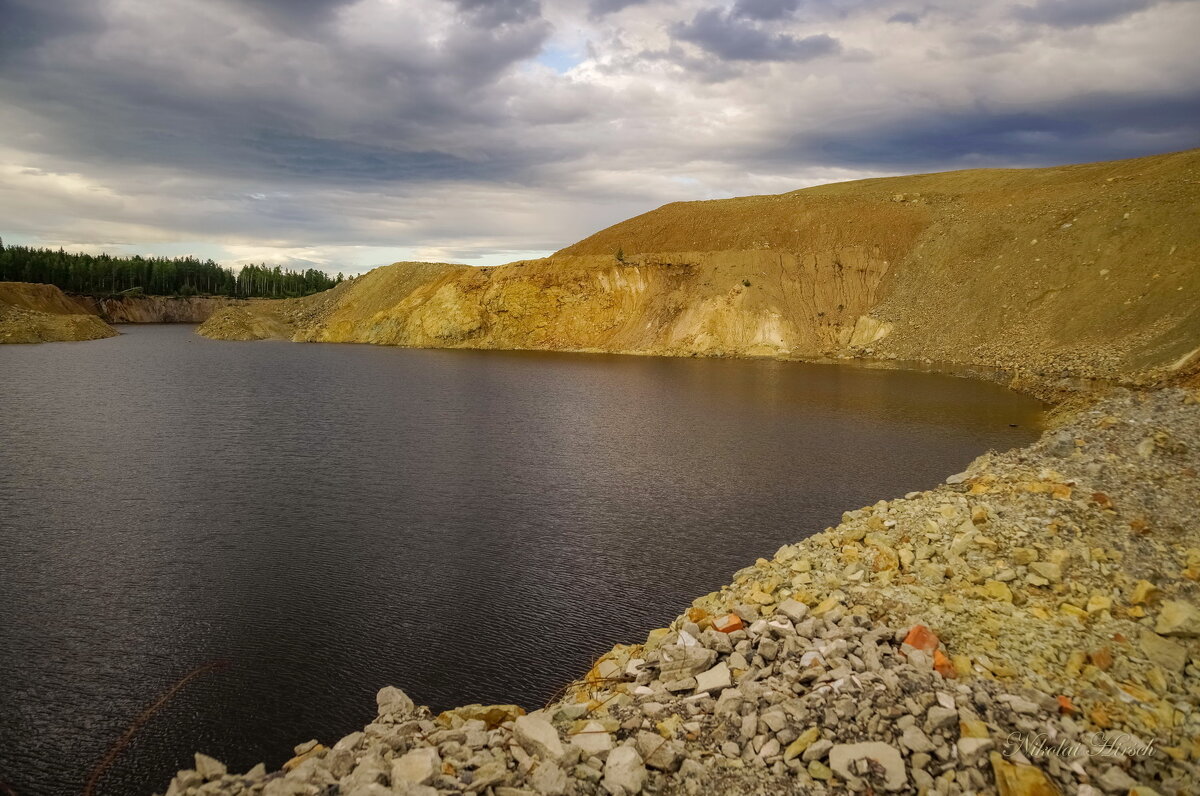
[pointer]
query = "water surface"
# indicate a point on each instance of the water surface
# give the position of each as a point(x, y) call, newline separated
point(470, 526)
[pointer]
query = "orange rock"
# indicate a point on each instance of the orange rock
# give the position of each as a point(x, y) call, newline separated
point(697, 615)
point(1102, 659)
point(1102, 500)
point(1066, 706)
point(944, 666)
point(1101, 718)
point(728, 623)
point(922, 638)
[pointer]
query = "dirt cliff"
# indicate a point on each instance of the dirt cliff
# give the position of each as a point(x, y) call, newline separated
point(1089, 270)
point(155, 309)
point(32, 313)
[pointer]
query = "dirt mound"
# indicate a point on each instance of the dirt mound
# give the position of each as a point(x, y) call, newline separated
point(32, 313)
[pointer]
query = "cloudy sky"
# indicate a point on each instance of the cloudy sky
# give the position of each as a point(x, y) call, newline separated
point(351, 133)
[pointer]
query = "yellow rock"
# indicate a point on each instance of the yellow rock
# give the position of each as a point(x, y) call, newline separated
point(818, 770)
point(996, 590)
point(973, 729)
point(492, 715)
point(1099, 602)
point(826, 606)
point(1157, 678)
point(797, 747)
point(1024, 555)
point(962, 665)
point(953, 602)
point(760, 597)
point(669, 727)
point(1075, 664)
point(1075, 611)
point(1016, 779)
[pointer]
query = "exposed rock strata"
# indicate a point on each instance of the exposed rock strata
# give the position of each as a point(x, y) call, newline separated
point(1027, 628)
point(155, 309)
point(36, 313)
point(1084, 270)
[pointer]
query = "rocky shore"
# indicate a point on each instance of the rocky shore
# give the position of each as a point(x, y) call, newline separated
point(1032, 626)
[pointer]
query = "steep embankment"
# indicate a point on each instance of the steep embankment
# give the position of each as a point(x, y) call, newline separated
point(155, 309)
point(1088, 270)
point(32, 313)
point(36, 313)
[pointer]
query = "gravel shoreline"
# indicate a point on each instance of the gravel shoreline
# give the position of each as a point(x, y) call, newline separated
point(1032, 626)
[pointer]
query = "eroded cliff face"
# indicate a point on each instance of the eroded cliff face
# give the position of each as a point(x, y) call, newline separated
point(154, 309)
point(32, 313)
point(1090, 270)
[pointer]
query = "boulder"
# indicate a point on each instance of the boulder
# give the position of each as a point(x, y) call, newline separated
point(417, 767)
point(538, 737)
point(1166, 653)
point(624, 772)
point(715, 679)
point(593, 739)
point(393, 701)
point(1178, 618)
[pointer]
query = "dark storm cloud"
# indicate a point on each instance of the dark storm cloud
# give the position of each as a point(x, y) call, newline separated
point(267, 124)
point(460, 126)
point(1078, 13)
point(1099, 126)
point(738, 39)
point(27, 24)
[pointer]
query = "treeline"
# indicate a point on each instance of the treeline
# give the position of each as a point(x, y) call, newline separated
point(103, 274)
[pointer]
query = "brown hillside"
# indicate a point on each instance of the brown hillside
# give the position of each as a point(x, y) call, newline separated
point(31, 313)
point(1085, 270)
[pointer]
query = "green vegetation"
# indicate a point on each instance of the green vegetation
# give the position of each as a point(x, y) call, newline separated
point(103, 274)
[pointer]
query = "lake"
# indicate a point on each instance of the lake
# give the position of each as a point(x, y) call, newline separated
point(317, 521)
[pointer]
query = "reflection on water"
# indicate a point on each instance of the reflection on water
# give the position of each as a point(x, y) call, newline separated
point(471, 526)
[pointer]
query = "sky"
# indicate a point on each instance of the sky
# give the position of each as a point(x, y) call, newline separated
point(346, 134)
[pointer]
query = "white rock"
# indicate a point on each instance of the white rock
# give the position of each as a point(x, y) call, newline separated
point(392, 700)
point(417, 767)
point(843, 755)
point(538, 737)
point(916, 740)
point(623, 771)
point(593, 739)
point(548, 779)
point(715, 679)
point(349, 742)
point(793, 609)
point(971, 749)
point(209, 767)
